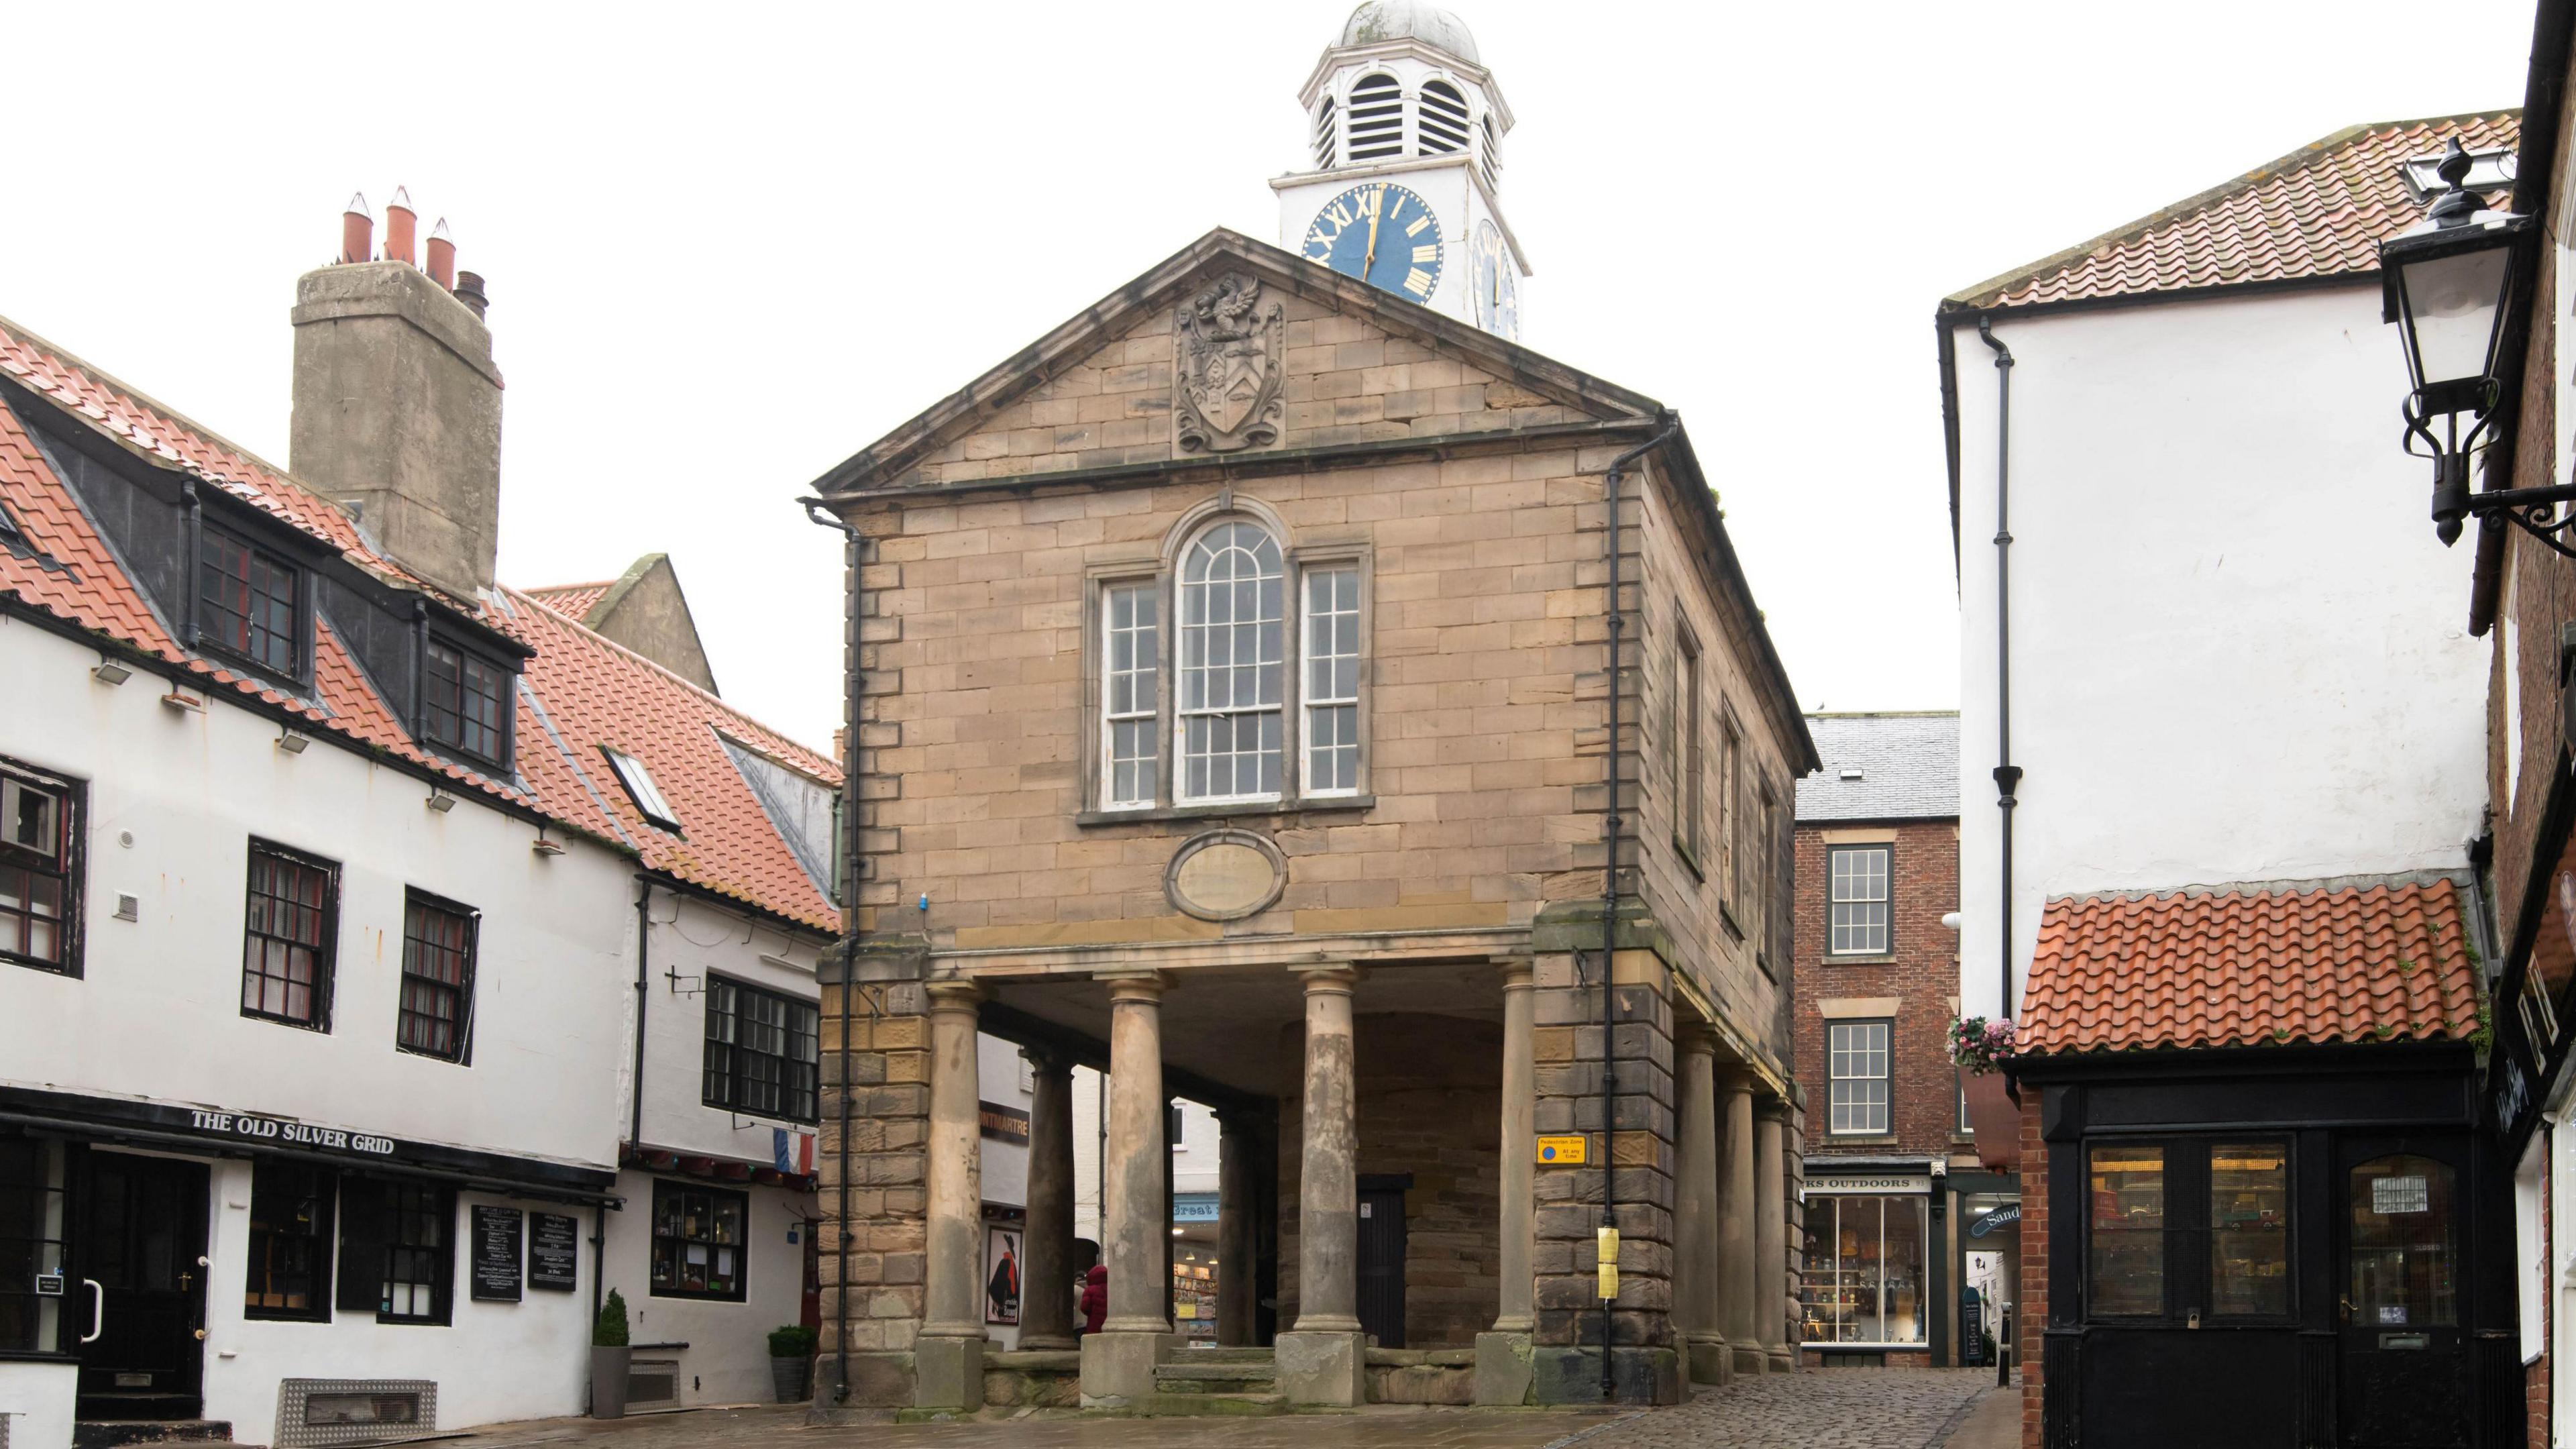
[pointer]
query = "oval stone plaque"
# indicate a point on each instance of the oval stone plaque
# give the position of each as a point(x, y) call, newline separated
point(1225, 875)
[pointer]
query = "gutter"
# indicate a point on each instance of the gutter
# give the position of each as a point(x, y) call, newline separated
point(854, 550)
point(643, 953)
point(2007, 774)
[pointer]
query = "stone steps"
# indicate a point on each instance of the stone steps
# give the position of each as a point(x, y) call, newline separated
point(1211, 1405)
point(1221, 1355)
point(1191, 1375)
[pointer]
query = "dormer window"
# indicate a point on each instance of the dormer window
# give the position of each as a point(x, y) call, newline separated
point(250, 604)
point(1442, 119)
point(1325, 153)
point(641, 789)
point(1377, 118)
point(465, 702)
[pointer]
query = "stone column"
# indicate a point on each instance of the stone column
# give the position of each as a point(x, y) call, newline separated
point(1046, 1250)
point(1235, 1255)
point(1738, 1279)
point(1322, 1361)
point(1118, 1362)
point(1699, 1324)
point(1771, 1234)
point(1503, 1360)
point(949, 1356)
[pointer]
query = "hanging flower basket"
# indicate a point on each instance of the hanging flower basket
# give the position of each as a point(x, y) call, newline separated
point(1980, 1045)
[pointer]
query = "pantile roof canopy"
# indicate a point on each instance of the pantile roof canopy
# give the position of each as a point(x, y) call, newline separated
point(2319, 212)
point(580, 693)
point(2313, 963)
point(1895, 766)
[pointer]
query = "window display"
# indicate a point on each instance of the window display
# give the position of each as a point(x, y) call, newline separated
point(2249, 1229)
point(1861, 1279)
point(2128, 1259)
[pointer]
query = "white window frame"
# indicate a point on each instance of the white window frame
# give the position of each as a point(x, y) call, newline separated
point(1110, 716)
point(1834, 875)
point(1837, 1052)
point(1309, 655)
point(1279, 707)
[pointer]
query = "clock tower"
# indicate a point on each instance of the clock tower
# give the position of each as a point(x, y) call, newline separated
point(1406, 127)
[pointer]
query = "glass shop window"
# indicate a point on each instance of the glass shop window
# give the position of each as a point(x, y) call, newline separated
point(1861, 1277)
point(698, 1242)
point(33, 1281)
point(2405, 1258)
point(2249, 1229)
point(2127, 1265)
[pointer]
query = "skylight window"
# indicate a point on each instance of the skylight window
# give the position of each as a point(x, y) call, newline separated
point(641, 789)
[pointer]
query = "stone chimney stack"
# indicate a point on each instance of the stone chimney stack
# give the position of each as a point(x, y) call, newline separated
point(397, 403)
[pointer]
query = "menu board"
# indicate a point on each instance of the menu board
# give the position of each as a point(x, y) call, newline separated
point(554, 1252)
point(498, 1232)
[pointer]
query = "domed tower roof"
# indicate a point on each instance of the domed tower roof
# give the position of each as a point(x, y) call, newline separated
point(1383, 20)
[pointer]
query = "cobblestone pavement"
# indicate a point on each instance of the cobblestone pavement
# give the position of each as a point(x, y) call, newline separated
point(1839, 1409)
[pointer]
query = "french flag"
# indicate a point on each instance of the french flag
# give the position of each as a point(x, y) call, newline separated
point(792, 1151)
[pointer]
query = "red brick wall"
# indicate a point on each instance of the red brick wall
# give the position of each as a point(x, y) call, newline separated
point(2031, 1312)
point(1922, 972)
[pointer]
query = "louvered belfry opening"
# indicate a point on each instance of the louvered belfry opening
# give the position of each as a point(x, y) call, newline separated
point(1325, 151)
point(1377, 118)
point(1443, 119)
point(1492, 159)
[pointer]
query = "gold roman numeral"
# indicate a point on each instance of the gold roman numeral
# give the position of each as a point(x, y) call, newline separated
point(1419, 283)
point(1419, 223)
point(1427, 252)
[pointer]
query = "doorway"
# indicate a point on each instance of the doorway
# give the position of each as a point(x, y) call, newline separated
point(1381, 1266)
point(2403, 1293)
point(139, 1256)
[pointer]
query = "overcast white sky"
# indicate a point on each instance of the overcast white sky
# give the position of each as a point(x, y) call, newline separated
point(728, 246)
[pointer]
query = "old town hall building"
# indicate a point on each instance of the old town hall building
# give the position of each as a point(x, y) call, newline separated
point(1280, 688)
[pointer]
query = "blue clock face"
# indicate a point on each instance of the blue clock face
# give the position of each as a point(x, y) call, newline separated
point(1495, 281)
point(1382, 234)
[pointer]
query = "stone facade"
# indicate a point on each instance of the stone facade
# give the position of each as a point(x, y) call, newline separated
point(1463, 481)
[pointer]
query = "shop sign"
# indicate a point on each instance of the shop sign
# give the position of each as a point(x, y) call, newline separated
point(1194, 1207)
point(1561, 1151)
point(1834, 1186)
point(2392, 1195)
point(1987, 1222)
point(498, 1235)
point(1003, 1124)
point(278, 1131)
point(554, 1252)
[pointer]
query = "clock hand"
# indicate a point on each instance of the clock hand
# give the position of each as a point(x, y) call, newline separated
point(1369, 263)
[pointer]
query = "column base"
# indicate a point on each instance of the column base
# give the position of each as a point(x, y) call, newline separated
point(1708, 1359)
point(880, 1380)
point(948, 1373)
point(1637, 1376)
point(1784, 1360)
point(1503, 1370)
point(1752, 1360)
point(1327, 1370)
point(1050, 1342)
point(1118, 1365)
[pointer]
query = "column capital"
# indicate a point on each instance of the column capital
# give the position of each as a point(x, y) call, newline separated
point(1736, 1079)
point(1338, 977)
point(1519, 973)
point(1045, 1059)
point(957, 993)
point(1698, 1038)
point(1771, 1109)
point(1134, 985)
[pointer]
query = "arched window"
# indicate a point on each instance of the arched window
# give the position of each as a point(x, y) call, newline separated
point(1231, 608)
point(1493, 157)
point(1377, 118)
point(1443, 119)
point(1324, 149)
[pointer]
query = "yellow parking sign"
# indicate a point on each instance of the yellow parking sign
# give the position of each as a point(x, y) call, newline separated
point(1560, 1151)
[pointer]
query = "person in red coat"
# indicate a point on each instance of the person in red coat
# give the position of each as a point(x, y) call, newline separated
point(1095, 1297)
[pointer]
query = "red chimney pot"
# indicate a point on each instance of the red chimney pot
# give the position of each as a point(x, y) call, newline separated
point(442, 256)
point(357, 230)
point(400, 222)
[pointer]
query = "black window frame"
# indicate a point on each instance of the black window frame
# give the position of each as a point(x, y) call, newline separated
point(664, 1188)
point(1886, 947)
point(1886, 1076)
point(274, 1179)
point(2189, 1262)
point(463, 990)
point(409, 1205)
point(298, 641)
point(793, 1092)
point(325, 950)
point(452, 738)
point(657, 811)
point(69, 863)
point(33, 1169)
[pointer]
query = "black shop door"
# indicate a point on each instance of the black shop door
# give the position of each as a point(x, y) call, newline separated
point(2404, 1287)
point(1382, 1260)
point(139, 1255)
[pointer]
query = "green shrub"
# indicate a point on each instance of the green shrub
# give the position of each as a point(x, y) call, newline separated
point(610, 1331)
point(791, 1342)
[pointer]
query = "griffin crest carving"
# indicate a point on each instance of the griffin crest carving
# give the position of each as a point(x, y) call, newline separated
point(1234, 349)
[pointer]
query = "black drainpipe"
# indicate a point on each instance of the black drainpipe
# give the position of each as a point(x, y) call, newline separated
point(1611, 826)
point(2007, 774)
point(852, 557)
point(643, 954)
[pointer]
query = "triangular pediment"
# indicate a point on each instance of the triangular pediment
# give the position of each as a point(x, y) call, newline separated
point(1230, 347)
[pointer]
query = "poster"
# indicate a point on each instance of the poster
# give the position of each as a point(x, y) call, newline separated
point(1002, 1276)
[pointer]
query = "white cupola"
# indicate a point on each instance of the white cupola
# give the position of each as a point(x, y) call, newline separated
point(1403, 116)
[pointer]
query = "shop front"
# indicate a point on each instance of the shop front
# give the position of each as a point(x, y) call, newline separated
point(1870, 1280)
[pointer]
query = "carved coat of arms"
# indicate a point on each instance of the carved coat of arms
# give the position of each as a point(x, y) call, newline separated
point(1234, 349)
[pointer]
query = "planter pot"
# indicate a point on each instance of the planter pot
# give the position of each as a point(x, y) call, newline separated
point(608, 1368)
point(1996, 1119)
point(794, 1378)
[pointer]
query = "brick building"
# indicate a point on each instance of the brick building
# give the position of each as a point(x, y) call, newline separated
point(1242, 705)
point(1889, 1202)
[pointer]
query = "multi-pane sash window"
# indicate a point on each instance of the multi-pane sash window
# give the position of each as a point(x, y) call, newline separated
point(287, 937)
point(1856, 1068)
point(698, 1241)
point(1693, 792)
point(289, 1270)
point(1332, 641)
point(1231, 630)
point(463, 704)
point(249, 602)
point(437, 1009)
point(1856, 905)
point(763, 1051)
point(1730, 823)
point(418, 1257)
point(38, 892)
point(1131, 646)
